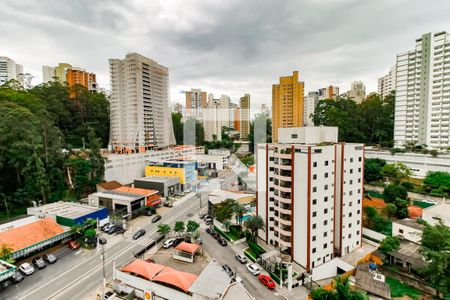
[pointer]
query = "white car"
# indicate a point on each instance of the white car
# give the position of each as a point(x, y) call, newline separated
point(26, 269)
point(167, 244)
point(241, 258)
point(253, 268)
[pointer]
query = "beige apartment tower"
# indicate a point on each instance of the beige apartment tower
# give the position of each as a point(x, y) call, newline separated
point(287, 104)
point(244, 109)
point(139, 104)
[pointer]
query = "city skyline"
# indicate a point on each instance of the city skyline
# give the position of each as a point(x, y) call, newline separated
point(213, 48)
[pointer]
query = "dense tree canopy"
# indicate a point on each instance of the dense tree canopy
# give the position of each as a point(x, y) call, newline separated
point(372, 169)
point(371, 122)
point(39, 128)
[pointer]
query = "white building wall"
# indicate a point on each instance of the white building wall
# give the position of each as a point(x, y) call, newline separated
point(387, 83)
point(300, 237)
point(406, 232)
point(9, 70)
point(261, 187)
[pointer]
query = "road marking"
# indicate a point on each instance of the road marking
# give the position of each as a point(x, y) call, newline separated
point(169, 220)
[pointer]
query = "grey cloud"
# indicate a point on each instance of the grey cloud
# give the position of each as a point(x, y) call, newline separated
point(229, 47)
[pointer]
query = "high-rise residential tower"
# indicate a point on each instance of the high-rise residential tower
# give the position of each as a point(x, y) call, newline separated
point(287, 104)
point(330, 92)
point(139, 104)
point(10, 70)
point(217, 115)
point(66, 73)
point(244, 104)
point(357, 91)
point(196, 102)
point(386, 84)
point(311, 101)
point(422, 104)
point(309, 195)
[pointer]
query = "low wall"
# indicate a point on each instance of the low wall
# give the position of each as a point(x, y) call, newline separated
point(373, 234)
point(329, 269)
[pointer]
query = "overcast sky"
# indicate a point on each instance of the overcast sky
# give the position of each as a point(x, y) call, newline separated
point(224, 47)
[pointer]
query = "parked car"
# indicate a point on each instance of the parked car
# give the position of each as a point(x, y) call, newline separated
point(207, 218)
point(104, 226)
point(199, 241)
point(222, 242)
point(17, 277)
point(26, 269)
point(168, 204)
point(176, 242)
point(228, 270)
point(138, 234)
point(267, 281)
point(74, 245)
point(241, 258)
point(202, 216)
point(50, 258)
point(208, 230)
point(208, 222)
point(119, 230)
point(108, 294)
point(215, 235)
point(38, 262)
point(111, 229)
point(168, 243)
point(150, 260)
point(253, 268)
point(156, 218)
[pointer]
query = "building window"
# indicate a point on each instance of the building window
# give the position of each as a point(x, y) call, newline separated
point(357, 232)
point(325, 246)
point(359, 170)
point(358, 212)
point(314, 189)
point(351, 159)
point(325, 187)
point(325, 234)
point(314, 201)
point(359, 191)
point(325, 211)
point(314, 250)
point(294, 136)
point(314, 214)
point(325, 222)
point(351, 181)
point(351, 171)
point(358, 222)
point(326, 175)
point(400, 231)
point(349, 225)
point(314, 176)
point(314, 238)
point(326, 163)
point(314, 164)
point(350, 193)
point(359, 180)
point(349, 215)
point(350, 204)
point(349, 235)
point(325, 199)
point(314, 226)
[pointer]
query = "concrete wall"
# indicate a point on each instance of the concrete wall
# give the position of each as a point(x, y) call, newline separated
point(329, 269)
point(373, 234)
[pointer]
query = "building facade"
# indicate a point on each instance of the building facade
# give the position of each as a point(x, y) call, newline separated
point(244, 128)
point(287, 104)
point(196, 102)
point(10, 70)
point(216, 116)
point(387, 83)
point(139, 104)
point(357, 91)
point(330, 92)
point(311, 101)
point(66, 73)
point(309, 193)
point(422, 106)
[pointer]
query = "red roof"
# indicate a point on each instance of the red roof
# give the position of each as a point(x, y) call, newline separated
point(187, 247)
point(30, 234)
point(137, 191)
point(160, 273)
point(143, 268)
point(182, 280)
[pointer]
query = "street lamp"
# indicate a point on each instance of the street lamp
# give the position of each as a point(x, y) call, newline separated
point(102, 242)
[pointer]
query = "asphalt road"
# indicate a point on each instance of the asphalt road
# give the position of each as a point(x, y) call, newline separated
point(77, 281)
point(224, 255)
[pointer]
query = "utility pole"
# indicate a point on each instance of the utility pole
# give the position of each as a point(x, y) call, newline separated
point(102, 242)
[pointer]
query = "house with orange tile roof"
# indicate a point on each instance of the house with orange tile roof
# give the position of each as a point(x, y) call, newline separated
point(26, 239)
point(152, 197)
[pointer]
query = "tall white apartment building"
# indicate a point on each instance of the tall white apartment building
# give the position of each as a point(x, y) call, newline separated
point(386, 84)
point(311, 101)
point(309, 194)
point(9, 70)
point(139, 103)
point(216, 115)
point(422, 105)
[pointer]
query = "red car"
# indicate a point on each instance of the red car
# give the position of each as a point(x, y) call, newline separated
point(74, 245)
point(267, 281)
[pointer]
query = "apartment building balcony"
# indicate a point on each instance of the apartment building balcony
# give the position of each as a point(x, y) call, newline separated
point(281, 177)
point(282, 210)
point(283, 220)
point(282, 189)
point(286, 167)
point(286, 231)
point(282, 242)
point(282, 200)
point(282, 155)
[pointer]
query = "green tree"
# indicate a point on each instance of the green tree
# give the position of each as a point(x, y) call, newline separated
point(437, 180)
point(394, 191)
point(372, 169)
point(341, 291)
point(390, 210)
point(5, 253)
point(396, 172)
point(179, 227)
point(254, 224)
point(435, 247)
point(178, 127)
point(389, 244)
point(192, 226)
point(224, 210)
point(239, 210)
point(163, 229)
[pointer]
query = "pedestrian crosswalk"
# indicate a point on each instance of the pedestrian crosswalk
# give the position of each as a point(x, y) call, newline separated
point(144, 241)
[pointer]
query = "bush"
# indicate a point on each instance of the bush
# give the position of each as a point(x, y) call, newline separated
point(394, 191)
point(257, 249)
point(408, 185)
